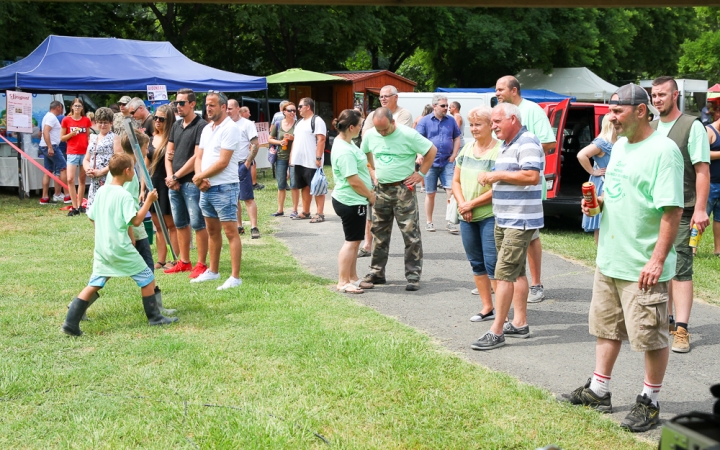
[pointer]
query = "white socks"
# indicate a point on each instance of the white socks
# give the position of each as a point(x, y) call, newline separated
point(600, 384)
point(652, 391)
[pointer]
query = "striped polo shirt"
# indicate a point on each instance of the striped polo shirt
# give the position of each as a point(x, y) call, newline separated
point(519, 206)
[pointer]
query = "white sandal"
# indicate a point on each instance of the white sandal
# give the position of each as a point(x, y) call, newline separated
point(350, 288)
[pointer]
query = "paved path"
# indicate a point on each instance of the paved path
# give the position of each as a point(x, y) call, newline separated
point(560, 354)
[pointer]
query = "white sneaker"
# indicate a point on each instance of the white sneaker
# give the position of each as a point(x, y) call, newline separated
point(230, 283)
point(430, 227)
point(205, 276)
point(58, 198)
point(536, 294)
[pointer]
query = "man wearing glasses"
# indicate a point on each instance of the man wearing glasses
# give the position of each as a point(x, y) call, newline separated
point(184, 195)
point(139, 112)
point(389, 100)
point(443, 131)
point(248, 148)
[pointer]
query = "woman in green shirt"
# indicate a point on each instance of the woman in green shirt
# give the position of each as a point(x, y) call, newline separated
point(281, 134)
point(350, 197)
point(477, 223)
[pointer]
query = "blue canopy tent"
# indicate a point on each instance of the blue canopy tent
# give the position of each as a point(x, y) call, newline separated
point(534, 95)
point(78, 64)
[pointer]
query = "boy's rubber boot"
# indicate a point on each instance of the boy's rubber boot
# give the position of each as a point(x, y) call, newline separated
point(75, 312)
point(94, 297)
point(158, 297)
point(153, 312)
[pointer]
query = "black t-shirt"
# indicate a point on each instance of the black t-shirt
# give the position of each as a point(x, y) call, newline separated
point(185, 139)
point(149, 125)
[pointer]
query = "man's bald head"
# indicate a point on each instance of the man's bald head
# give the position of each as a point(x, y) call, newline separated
point(233, 109)
point(507, 89)
point(383, 121)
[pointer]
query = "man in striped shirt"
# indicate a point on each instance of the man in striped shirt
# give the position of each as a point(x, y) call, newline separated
point(517, 206)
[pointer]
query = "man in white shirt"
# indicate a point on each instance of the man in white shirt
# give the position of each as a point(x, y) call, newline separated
point(307, 156)
point(216, 176)
point(54, 161)
point(246, 155)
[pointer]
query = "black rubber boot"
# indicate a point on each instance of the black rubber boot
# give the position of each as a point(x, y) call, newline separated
point(75, 312)
point(94, 297)
point(153, 312)
point(158, 297)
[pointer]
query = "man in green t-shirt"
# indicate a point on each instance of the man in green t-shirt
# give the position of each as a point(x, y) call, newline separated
point(394, 149)
point(507, 89)
point(690, 136)
point(642, 205)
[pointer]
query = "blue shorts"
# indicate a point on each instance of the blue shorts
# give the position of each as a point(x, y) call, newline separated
point(185, 206)
point(246, 186)
point(75, 160)
point(713, 203)
point(56, 163)
point(142, 279)
point(445, 174)
point(220, 202)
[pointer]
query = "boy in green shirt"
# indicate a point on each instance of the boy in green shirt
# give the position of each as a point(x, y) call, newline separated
point(113, 212)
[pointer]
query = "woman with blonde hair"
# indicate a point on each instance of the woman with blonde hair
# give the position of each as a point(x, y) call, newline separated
point(164, 119)
point(599, 150)
point(477, 222)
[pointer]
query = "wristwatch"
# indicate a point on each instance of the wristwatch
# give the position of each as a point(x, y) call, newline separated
point(318, 159)
point(174, 178)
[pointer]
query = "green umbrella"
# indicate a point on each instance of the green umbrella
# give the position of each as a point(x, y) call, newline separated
point(301, 76)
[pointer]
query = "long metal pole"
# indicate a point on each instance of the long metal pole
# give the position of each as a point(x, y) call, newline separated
point(127, 122)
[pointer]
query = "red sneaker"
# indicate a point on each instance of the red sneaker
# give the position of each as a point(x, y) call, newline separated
point(179, 267)
point(199, 269)
point(45, 201)
point(67, 200)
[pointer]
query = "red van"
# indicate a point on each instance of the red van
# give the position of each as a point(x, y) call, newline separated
point(575, 125)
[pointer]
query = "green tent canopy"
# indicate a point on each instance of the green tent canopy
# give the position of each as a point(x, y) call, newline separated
point(301, 76)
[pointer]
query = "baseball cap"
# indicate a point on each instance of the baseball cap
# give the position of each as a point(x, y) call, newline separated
point(633, 95)
point(125, 100)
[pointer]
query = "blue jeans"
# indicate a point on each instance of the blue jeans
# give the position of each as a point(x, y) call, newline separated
point(281, 172)
point(220, 202)
point(713, 203)
point(185, 205)
point(478, 238)
point(445, 174)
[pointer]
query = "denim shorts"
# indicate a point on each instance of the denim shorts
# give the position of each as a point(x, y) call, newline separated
point(281, 171)
point(246, 186)
point(185, 205)
point(713, 204)
point(56, 163)
point(75, 160)
point(142, 279)
point(478, 238)
point(220, 202)
point(445, 174)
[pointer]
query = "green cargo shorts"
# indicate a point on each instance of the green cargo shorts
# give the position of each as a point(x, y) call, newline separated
point(512, 245)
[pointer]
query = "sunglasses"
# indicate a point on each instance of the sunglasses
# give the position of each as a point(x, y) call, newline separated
point(290, 110)
point(159, 119)
point(180, 102)
point(132, 113)
point(443, 106)
point(219, 94)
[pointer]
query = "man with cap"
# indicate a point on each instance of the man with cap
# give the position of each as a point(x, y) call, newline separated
point(690, 136)
point(642, 205)
point(117, 126)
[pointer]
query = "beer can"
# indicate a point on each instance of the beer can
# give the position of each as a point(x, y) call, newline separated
point(591, 200)
point(695, 236)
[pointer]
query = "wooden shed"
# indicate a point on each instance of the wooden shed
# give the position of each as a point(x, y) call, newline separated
point(361, 88)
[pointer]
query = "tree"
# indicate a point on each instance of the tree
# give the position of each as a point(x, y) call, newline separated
point(701, 57)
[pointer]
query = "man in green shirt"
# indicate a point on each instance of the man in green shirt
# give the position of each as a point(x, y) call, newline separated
point(394, 149)
point(642, 205)
point(690, 136)
point(507, 89)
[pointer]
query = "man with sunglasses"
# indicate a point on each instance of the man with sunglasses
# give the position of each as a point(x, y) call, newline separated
point(117, 125)
point(139, 112)
point(247, 151)
point(443, 131)
point(184, 195)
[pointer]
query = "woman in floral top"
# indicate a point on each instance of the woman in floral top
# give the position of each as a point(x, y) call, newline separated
point(99, 151)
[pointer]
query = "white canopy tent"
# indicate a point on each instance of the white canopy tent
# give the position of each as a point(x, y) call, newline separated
point(579, 82)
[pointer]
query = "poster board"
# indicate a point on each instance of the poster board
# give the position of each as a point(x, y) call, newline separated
point(263, 131)
point(19, 111)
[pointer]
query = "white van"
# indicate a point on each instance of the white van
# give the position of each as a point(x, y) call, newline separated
point(415, 103)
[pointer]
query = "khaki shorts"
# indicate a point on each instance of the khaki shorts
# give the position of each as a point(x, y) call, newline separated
point(684, 266)
point(536, 235)
point(620, 311)
point(512, 245)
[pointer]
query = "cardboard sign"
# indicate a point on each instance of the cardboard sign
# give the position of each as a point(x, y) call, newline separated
point(19, 111)
point(156, 92)
point(263, 131)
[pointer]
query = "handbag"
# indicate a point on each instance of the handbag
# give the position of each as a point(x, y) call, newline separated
point(319, 184)
point(451, 215)
point(272, 155)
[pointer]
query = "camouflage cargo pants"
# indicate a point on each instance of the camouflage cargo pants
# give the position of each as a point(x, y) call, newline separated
point(399, 203)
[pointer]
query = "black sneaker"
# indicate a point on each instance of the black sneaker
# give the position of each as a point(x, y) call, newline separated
point(82, 210)
point(258, 187)
point(241, 230)
point(255, 233)
point(374, 279)
point(73, 212)
point(509, 330)
point(480, 317)
point(488, 341)
point(585, 396)
point(643, 416)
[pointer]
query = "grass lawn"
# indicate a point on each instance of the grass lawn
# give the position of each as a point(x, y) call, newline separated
point(277, 363)
point(566, 238)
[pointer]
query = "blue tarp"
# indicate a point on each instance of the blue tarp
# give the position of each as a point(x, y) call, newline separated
point(534, 95)
point(75, 64)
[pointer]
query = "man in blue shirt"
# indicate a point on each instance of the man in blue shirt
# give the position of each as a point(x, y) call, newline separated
point(444, 133)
